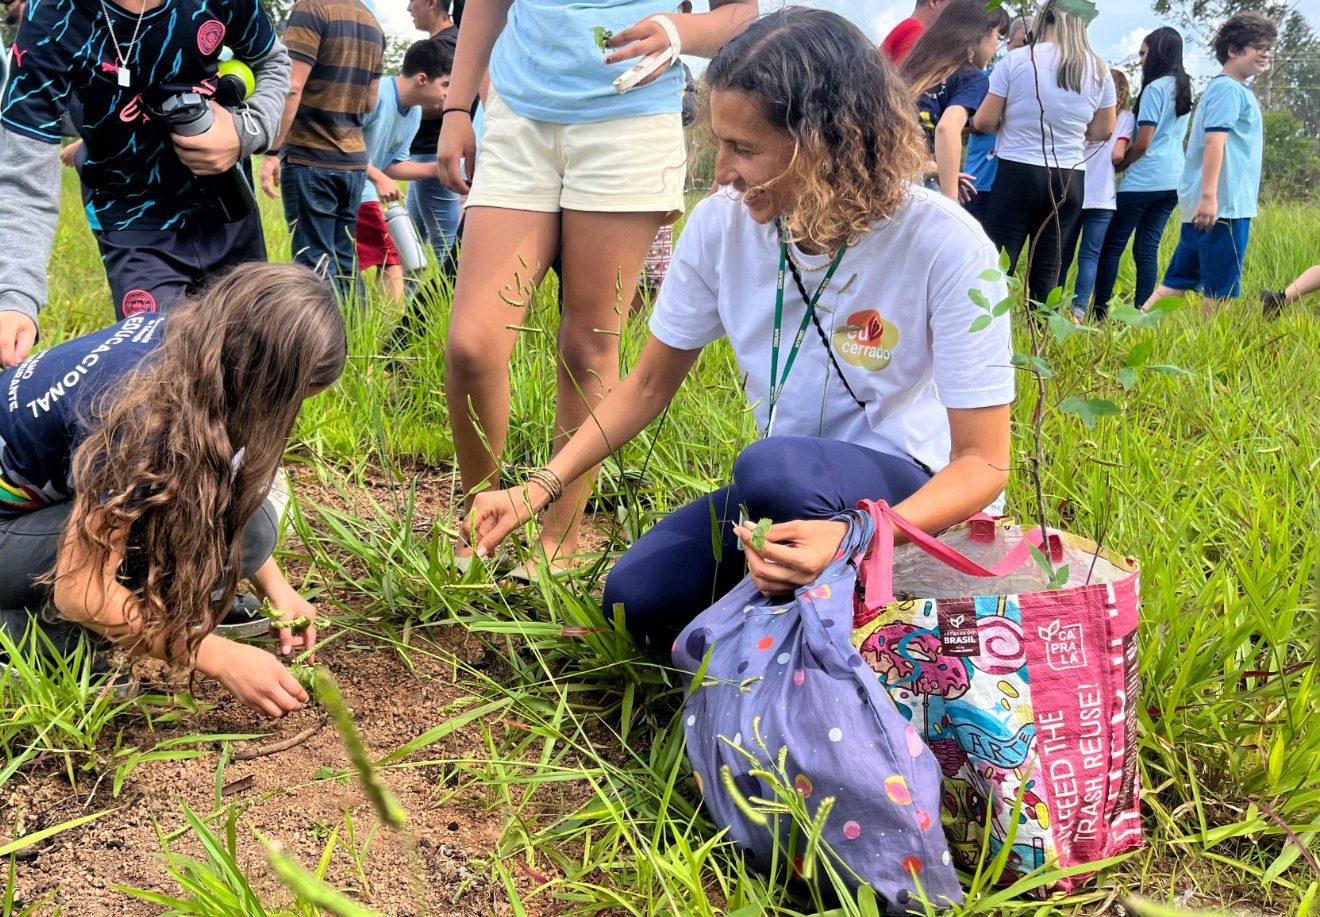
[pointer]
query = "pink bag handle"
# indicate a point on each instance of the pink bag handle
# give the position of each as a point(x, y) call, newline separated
point(878, 568)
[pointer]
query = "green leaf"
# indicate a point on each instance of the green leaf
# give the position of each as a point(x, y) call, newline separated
point(759, 532)
point(990, 274)
point(978, 297)
point(1060, 577)
point(1054, 297)
point(1084, 10)
point(1042, 561)
point(1158, 311)
point(1127, 377)
point(1062, 328)
point(1033, 363)
point(1089, 410)
point(1168, 369)
point(1138, 355)
point(1003, 306)
point(1003, 261)
point(980, 323)
point(602, 35)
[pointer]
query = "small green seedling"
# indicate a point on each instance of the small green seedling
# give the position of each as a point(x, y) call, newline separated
point(759, 532)
point(602, 35)
point(276, 618)
point(305, 675)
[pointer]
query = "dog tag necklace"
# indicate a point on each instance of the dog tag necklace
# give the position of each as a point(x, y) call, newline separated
point(123, 75)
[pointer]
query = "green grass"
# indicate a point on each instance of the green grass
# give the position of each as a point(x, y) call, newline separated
point(1208, 478)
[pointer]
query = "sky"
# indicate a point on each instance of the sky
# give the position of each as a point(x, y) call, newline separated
point(1116, 33)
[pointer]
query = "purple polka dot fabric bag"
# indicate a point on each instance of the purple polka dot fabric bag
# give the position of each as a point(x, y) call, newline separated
point(798, 750)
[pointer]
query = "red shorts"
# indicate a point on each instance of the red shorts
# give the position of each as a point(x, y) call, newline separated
point(374, 245)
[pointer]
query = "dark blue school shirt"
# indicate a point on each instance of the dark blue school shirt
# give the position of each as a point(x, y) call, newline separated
point(133, 177)
point(47, 408)
point(967, 86)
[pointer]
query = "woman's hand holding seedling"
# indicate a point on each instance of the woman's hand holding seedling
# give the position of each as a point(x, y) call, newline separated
point(783, 557)
point(252, 675)
point(496, 513)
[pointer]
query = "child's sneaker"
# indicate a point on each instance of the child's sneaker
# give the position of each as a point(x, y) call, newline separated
point(1272, 302)
point(244, 619)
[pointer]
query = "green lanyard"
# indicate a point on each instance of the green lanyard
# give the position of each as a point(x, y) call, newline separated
point(777, 381)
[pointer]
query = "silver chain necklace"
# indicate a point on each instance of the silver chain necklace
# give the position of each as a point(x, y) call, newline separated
point(123, 75)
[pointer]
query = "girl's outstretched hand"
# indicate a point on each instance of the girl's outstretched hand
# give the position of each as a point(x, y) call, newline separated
point(494, 514)
point(252, 675)
point(794, 554)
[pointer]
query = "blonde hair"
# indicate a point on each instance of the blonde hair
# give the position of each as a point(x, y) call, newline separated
point(1077, 60)
point(855, 137)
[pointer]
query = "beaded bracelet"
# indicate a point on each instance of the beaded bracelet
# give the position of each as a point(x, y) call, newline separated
point(548, 481)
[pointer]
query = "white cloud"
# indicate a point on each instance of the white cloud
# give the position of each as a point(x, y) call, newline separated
point(1129, 44)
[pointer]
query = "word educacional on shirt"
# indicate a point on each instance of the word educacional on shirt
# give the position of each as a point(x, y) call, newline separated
point(43, 403)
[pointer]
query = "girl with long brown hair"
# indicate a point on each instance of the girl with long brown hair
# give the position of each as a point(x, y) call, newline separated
point(861, 369)
point(135, 464)
point(946, 72)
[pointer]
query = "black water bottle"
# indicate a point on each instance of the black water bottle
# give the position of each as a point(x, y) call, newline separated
point(189, 114)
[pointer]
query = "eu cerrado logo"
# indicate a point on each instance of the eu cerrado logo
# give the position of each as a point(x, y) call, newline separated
point(1064, 646)
point(866, 340)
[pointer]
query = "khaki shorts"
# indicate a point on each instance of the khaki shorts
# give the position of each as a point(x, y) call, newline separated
point(636, 164)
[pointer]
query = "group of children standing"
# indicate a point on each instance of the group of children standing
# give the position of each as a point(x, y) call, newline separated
point(1073, 170)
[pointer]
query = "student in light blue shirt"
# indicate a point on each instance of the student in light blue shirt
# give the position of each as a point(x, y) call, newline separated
point(422, 83)
point(1221, 177)
point(1153, 164)
point(570, 163)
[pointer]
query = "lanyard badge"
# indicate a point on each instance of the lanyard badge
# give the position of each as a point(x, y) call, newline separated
point(777, 381)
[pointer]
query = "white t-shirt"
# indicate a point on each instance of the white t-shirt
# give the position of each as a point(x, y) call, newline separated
point(1100, 190)
point(1066, 112)
point(897, 313)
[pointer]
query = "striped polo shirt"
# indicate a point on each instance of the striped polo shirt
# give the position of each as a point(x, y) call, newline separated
point(343, 43)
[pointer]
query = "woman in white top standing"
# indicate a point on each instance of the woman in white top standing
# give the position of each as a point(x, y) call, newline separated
point(1046, 100)
point(843, 292)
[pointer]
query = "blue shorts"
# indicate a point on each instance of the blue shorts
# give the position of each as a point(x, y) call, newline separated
point(1210, 260)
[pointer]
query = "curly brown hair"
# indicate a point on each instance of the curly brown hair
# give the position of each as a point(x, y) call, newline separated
point(184, 449)
point(1241, 31)
point(855, 134)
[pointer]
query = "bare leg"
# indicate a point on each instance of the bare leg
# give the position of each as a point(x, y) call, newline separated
point(505, 253)
point(391, 278)
point(1308, 282)
point(1161, 292)
point(602, 257)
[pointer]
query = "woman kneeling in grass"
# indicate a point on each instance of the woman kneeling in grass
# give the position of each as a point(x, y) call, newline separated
point(135, 464)
point(863, 369)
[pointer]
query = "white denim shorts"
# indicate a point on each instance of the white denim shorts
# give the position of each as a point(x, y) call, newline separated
point(636, 164)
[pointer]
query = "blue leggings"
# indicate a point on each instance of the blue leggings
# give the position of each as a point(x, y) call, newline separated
point(677, 570)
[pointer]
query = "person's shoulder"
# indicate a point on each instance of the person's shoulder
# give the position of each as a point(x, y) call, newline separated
point(936, 222)
point(721, 208)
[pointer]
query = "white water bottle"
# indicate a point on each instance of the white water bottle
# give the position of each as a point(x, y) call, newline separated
point(403, 232)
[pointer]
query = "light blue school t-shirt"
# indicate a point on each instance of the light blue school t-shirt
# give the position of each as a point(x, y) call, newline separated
point(546, 65)
point(1160, 169)
point(980, 161)
point(389, 130)
point(1230, 107)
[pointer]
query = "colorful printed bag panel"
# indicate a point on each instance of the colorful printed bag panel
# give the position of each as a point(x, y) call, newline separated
point(1045, 712)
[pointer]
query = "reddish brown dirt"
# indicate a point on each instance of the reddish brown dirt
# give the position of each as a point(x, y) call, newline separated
point(429, 869)
point(284, 801)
